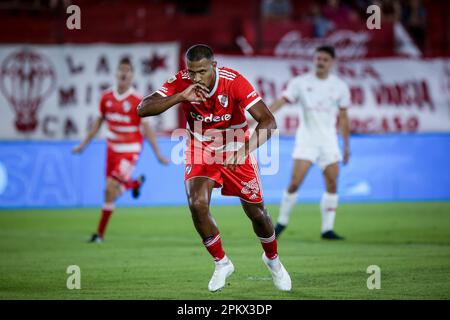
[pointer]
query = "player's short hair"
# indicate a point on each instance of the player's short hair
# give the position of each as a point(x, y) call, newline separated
point(126, 60)
point(198, 52)
point(327, 49)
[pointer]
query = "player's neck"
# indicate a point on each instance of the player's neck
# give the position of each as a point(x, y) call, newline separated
point(322, 75)
point(122, 89)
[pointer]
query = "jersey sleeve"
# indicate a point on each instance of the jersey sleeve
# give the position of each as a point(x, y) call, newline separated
point(171, 86)
point(244, 93)
point(290, 94)
point(344, 98)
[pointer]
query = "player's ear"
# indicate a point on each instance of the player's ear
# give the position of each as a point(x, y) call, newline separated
point(214, 64)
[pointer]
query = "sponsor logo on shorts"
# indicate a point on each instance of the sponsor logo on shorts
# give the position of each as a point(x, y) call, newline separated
point(251, 187)
point(188, 169)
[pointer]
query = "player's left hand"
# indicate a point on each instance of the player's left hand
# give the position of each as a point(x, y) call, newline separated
point(235, 159)
point(163, 160)
point(346, 155)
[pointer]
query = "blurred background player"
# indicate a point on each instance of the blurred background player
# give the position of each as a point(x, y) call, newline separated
point(320, 97)
point(124, 141)
point(216, 99)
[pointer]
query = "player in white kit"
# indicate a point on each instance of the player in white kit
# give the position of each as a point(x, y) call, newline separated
point(321, 97)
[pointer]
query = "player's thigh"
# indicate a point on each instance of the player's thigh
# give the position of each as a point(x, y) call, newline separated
point(198, 191)
point(299, 171)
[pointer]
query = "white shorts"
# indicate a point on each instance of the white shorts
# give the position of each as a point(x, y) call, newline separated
point(323, 155)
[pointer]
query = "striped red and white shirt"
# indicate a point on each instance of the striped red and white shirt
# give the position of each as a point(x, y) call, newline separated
point(224, 108)
point(119, 110)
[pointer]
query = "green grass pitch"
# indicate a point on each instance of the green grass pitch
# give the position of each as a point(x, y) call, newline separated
point(155, 253)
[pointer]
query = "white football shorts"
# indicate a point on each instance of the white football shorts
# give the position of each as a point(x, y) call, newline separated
point(322, 155)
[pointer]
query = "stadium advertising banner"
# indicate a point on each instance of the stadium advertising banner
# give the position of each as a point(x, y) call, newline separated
point(352, 41)
point(388, 95)
point(53, 92)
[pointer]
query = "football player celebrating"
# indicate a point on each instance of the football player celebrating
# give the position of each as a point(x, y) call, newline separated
point(214, 101)
point(124, 141)
point(321, 97)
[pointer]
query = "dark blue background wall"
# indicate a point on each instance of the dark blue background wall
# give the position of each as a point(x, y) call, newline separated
point(382, 168)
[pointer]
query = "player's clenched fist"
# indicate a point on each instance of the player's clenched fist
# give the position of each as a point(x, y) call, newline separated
point(195, 93)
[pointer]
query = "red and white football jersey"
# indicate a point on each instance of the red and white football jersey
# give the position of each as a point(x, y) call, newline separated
point(223, 110)
point(124, 134)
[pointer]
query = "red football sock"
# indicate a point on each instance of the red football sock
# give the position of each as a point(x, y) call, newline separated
point(106, 214)
point(131, 184)
point(270, 246)
point(214, 247)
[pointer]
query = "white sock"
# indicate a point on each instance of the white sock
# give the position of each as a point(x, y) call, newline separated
point(288, 201)
point(274, 264)
point(223, 261)
point(328, 206)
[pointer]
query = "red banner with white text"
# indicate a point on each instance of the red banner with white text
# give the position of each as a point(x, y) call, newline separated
point(388, 95)
point(53, 92)
point(296, 39)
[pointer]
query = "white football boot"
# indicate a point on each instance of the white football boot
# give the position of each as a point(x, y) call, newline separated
point(224, 268)
point(280, 276)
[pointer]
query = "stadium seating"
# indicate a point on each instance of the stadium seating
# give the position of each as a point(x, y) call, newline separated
point(155, 21)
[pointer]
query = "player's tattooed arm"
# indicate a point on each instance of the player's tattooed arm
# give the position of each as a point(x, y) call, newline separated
point(155, 103)
point(345, 130)
point(91, 134)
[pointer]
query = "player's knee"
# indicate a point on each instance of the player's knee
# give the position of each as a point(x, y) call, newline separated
point(261, 218)
point(198, 205)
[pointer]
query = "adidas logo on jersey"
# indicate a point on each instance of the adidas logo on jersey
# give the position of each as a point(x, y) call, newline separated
point(210, 117)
